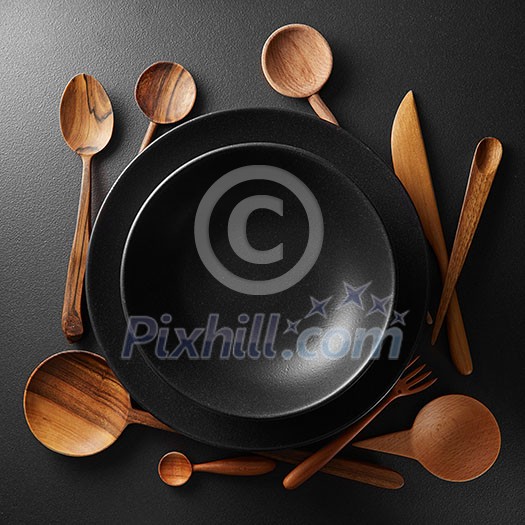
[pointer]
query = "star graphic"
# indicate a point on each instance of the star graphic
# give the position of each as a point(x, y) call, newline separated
point(379, 305)
point(354, 295)
point(399, 318)
point(318, 307)
point(292, 326)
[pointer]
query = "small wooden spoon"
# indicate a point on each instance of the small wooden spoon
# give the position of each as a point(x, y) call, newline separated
point(165, 92)
point(454, 437)
point(175, 468)
point(482, 172)
point(297, 62)
point(86, 121)
point(75, 405)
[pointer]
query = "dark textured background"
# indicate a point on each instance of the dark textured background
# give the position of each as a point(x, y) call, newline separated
point(465, 62)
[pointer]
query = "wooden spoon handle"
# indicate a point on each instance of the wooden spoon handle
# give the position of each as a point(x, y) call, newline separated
point(360, 471)
point(397, 443)
point(478, 188)
point(148, 137)
point(72, 324)
point(243, 466)
point(141, 417)
point(319, 459)
point(457, 338)
point(321, 109)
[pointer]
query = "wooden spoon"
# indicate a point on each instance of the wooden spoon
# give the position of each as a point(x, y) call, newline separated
point(454, 437)
point(165, 92)
point(297, 62)
point(175, 468)
point(75, 405)
point(86, 121)
point(482, 172)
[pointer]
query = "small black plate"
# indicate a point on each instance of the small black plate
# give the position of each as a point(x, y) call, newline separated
point(189, 141)
point(316, 352)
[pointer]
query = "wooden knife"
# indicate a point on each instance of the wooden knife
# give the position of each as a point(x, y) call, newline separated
point(361, 471)
point(411, 168)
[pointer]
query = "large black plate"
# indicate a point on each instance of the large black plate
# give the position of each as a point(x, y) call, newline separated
point(163, 273)
point(198, 137)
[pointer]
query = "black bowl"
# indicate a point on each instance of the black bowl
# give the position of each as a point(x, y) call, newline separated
point(178, 147)
point(203, 268)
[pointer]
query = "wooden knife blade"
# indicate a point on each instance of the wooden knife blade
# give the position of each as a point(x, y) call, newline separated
point(411, 168)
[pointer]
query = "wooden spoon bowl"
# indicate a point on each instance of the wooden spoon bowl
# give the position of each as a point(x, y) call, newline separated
point(75, 405)
point(454, 437)
point(86, 115)
point(165, 93)
point(297, 62)
point(175, 469)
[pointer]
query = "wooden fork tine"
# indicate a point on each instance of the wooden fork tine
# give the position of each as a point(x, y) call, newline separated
point(422, 386)
point(418, 379)
point(411, 362)
point(413, 373)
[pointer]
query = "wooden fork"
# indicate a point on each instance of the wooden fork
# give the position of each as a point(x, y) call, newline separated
point(411, 382)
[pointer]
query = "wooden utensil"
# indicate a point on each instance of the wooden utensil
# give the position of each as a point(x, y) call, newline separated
point(361, 471)
point(86, 121)
point(59, 384)
point(482, 172)
point(175, 468)
point(411, 168)
point(166, 93)
point(297, 62)
point(411, 382)
point(454, 437)
point(74, 404)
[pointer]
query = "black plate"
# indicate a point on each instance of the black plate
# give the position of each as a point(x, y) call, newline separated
point(163, 273)
point(196, 138)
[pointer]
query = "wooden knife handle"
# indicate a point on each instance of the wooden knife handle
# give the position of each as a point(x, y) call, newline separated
point(72, 324)
point(360, 471)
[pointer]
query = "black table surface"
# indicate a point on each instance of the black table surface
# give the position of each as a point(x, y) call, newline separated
point(465, 62)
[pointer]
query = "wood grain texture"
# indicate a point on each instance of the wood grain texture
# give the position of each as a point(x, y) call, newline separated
point(297, 62)
point(175, 468)
point(148, 136)
point(165, 93)
point(454, 437)
point(361, 471)
point(482, 172)
point(75, 405)
point(86, 121)
point(241, 466)
point(412, 382)
point(411, 167)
